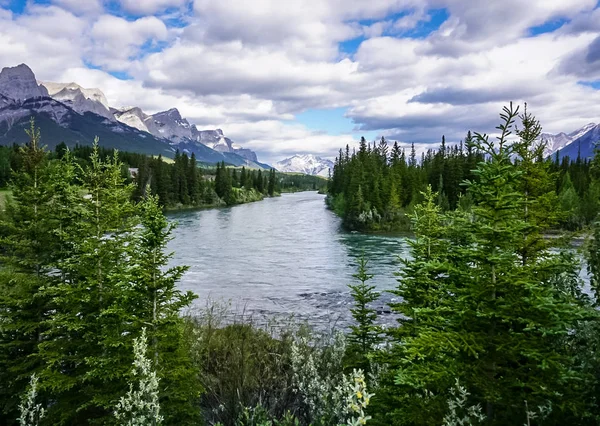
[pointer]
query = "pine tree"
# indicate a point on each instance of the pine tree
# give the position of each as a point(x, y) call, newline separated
point(477, 309)
point(158, 306)
point(365, 333)
point(83, 346)
point(27, 250)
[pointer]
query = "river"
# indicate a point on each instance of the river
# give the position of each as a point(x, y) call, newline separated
point(279, 257)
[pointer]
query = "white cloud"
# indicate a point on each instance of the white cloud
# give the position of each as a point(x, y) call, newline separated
point(249, 67)
point(116, 40)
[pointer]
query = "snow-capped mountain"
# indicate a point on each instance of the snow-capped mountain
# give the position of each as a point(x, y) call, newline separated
point(560, 140)
point(307, 164)
point(583, 145)
point(19, 83)
point(172, 126)
point(82, 113)
point(136, 118)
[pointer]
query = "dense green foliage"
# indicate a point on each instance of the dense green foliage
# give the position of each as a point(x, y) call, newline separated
point(484, 299)
point(377, 187)
point(364, 336)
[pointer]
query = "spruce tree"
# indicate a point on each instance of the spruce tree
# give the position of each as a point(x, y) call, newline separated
point(158, 306)
point(478, 309)
point(85, 349)
point(193, 180)
point(593, 249)
point(365, 334)
point(27, 249)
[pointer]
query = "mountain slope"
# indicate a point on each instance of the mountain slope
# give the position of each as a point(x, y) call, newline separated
point(583, 145)
point(59, 123)
point(92, 94)
point(561, 140)
point(76, 99)
point(306, 164)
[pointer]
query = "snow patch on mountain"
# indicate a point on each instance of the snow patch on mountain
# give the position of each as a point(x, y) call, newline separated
point(76, 99)
point(561, 140)
point(19, 83)
point(92, 94)
point(308, 164)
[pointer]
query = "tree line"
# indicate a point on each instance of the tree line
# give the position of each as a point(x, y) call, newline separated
point(178, 182)
point(378, 186)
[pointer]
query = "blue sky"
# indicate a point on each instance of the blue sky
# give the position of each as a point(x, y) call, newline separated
point(309, 76)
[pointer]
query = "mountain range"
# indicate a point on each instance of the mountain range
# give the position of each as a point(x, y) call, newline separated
point(569, 144)
point(70, 113)
point(67, 112)
point(307, 164)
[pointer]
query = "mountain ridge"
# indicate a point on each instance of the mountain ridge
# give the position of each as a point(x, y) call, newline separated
point(579, 142)
point(66, 108)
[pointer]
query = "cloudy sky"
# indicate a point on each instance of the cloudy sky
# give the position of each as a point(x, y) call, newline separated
point(308, 76)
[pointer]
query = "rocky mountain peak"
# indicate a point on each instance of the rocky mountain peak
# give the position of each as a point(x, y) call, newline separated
point(92, 93)
point(77, 99)
point(19, 83)
point(172, 113)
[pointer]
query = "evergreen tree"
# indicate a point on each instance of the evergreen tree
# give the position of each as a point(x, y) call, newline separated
point(477, 309)
point(193, 180)
point(593, 249)
point(27, 249)
point(83, 346)
point(365, 333)
point(272, 183)
point(158, 306)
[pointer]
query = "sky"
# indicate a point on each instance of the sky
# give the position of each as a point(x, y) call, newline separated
point(285, 77)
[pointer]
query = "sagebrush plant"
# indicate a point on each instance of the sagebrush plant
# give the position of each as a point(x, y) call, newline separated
point(318, 377)
point(30, 412)
point(460, 413)
point(140, 407)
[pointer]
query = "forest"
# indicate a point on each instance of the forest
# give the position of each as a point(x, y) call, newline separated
point(493, 325)
point(377, 187)
point(180, 182)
